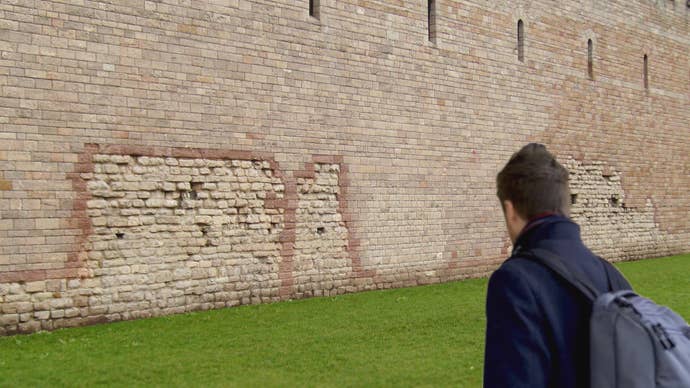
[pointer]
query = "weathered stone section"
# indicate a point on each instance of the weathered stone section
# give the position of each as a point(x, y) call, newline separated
point(51, 304)
point(196, 230)
point(169, 235)
point(611, 227)
point(321, 263)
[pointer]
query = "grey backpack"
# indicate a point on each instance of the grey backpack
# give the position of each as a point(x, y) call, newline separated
point(634, 343)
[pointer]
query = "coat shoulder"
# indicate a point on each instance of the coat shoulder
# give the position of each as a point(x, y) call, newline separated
point(524, 267)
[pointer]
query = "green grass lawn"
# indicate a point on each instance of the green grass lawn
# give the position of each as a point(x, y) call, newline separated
point(422, 336)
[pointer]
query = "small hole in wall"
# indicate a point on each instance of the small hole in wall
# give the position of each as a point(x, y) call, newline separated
point(273, 228)
point(573, 199)
point(181, 198)
point(186, 195)
point(120, 236)
point(204, 232)
point(196, 188)
point(320, 230)
point(614, 201)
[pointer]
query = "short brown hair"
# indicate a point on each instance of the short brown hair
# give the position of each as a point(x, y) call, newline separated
point(534, 182)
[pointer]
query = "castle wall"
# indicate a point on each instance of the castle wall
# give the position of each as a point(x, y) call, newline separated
point(166, 156)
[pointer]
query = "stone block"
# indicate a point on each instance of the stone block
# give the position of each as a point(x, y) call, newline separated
point(8, 319)
point(29, 327)
point(23, 307)
point(61, 303)
point(42, 315)
point(33, 287)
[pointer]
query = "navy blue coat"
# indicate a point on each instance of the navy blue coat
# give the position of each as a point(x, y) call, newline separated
point(537, 332)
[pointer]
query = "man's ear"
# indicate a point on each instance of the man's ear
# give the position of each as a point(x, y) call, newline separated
point(514, 222)
point(509, 210)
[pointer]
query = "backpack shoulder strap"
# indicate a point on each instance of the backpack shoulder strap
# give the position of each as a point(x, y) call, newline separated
point(555, 263)
point(616, 280)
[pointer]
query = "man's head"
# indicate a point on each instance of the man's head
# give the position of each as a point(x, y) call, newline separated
point(532, 183)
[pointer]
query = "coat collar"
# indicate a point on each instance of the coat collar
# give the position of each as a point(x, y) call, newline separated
point(546, 226)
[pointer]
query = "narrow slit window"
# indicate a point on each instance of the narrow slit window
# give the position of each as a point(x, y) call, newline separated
point(646, 72)
point(431, 22)
point(521, 40)
point(314, 8)
point(590, 59)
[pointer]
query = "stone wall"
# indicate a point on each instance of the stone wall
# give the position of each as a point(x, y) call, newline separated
point(180, 232)
point(174, 234)
point(322, 263)
point(612, 227)
point(164, 156)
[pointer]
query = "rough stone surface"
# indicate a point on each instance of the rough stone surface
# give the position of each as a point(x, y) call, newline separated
point(610, 225)
point(210, 236)
point(158, 157)
point(322, 265)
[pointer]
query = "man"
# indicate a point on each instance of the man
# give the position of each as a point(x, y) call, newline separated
point(537, 332)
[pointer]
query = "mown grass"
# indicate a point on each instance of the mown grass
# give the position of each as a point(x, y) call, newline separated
point(423, 336)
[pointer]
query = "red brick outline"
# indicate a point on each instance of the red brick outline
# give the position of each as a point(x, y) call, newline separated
point(78, 220)
point(353, 243)
point(289, 231)
point(287, 238)
point(74, 266)
point(453, 262)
